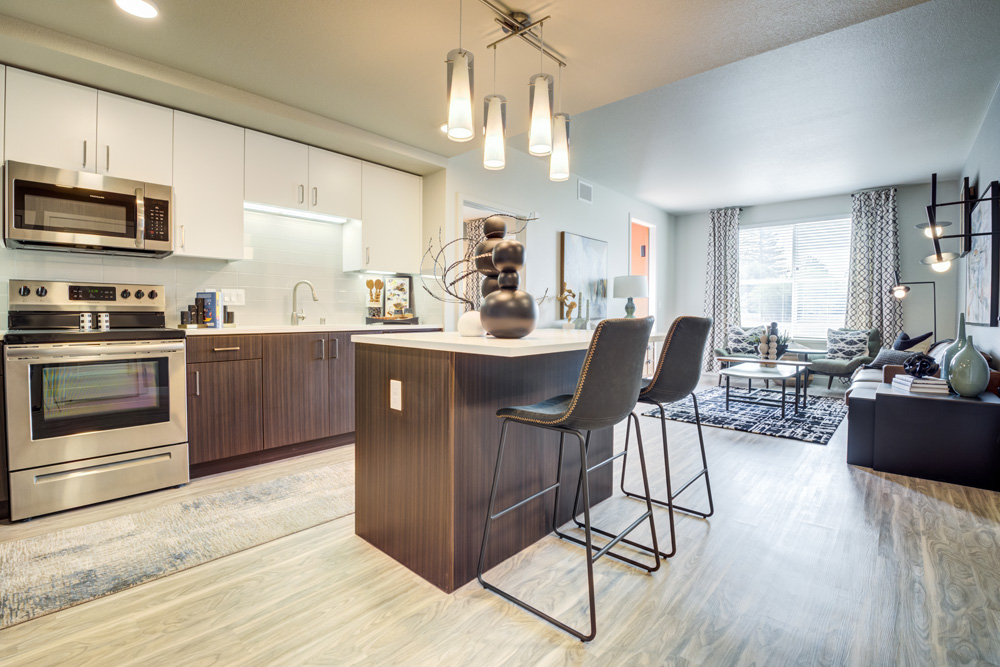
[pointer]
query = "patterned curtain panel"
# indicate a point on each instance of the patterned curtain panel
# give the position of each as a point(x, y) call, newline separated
point(874, 263)
point(722, 279)
point(471, 285)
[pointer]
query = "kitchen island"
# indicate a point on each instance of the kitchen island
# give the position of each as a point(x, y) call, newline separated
point(427, 438)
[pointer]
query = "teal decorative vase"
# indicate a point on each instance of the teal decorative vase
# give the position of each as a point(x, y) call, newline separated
point(952, 350)
point(968, 371)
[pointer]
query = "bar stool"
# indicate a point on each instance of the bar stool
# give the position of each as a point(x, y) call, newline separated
point(676, 377)
point(605, 394)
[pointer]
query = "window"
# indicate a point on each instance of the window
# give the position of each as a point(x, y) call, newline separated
point(795, 274)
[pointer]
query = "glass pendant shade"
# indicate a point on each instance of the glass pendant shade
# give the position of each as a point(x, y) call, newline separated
point(494, 155)
point(540, 105)
point(460, 122)
point(559, 162)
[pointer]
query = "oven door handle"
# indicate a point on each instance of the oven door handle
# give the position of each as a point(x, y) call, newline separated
point(77, 351)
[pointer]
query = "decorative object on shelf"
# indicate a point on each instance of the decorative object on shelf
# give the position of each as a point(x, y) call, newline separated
point(585, 266)
point(397, 294)
point(968, 372)
point(627, 287)
point(982, 265)
point(582, 322)
point(548, 135)
point(507, 313)
point(566, 299)
point(952, 350)
point(470, 325)
point(374, 303)
point(920, 365)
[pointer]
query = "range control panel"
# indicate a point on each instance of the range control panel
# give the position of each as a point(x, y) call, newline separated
point(34, 295)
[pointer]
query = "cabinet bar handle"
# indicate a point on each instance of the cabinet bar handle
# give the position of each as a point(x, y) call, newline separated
point(368, 257)
point(322, 347)
point(197, 383)
point(336, 348)
point(302, 193)
point(315, 195)
point(183, 238)
point(84, 152)
point(107, 158)
point(225, 349)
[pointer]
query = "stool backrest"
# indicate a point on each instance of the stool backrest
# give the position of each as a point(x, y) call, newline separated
point(612, 374)
point(679, 368)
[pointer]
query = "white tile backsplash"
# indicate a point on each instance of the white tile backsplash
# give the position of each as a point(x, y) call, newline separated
point(285, 250)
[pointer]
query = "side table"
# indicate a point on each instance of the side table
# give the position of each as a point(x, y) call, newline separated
point(946, 438)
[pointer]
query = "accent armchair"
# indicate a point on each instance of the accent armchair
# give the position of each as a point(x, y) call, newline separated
point(844, 368)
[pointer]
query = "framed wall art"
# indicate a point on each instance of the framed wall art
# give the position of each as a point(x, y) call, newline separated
point(398, 293)
point(982, 264)
point(584, 269)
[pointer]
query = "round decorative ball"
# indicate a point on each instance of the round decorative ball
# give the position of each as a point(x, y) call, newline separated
point(508, 255)
point(920, 365)
point(469, 325)
point(508, 280)
point(484, 256)
point(509, 313)
point(490, 284)
point(495, 226)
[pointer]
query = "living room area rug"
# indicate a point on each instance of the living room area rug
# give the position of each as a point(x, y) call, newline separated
point(815, 424)
point(45, 573)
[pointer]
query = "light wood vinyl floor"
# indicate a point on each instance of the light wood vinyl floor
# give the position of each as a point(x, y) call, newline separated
point(808, 561)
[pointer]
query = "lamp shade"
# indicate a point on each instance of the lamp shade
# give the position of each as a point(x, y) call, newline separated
point(631, 286)
point(496, 128)
point(540, 111)
point(460, 95)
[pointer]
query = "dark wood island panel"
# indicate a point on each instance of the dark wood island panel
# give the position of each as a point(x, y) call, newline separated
point(424, 472)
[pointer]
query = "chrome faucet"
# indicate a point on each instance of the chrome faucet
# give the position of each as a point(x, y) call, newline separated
point(296, 315)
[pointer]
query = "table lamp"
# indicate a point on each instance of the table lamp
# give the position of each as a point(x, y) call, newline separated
point(626, 287)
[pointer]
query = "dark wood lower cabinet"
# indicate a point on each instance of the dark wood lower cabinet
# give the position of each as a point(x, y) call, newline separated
point(341, 383)
point(296, 388)
point(224, 409)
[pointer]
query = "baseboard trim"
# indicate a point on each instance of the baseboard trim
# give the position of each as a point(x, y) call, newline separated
point(269, 455)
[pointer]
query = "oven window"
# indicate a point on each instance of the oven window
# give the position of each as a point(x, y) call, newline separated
point(52, 208)
point(73, 398)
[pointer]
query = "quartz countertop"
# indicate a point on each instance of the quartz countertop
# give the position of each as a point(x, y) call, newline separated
point(312, 328)
point(541, 341)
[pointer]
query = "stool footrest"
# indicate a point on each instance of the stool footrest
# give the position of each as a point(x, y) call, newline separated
point(606, 461)
point(525, 501)
point(615, 539)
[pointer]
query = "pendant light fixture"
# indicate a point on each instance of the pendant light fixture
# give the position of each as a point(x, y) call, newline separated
point(559, 162)
point(495, 113)
point(460, 121)
point(540, 106)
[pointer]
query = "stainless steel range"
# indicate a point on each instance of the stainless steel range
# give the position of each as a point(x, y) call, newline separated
point(95, 395)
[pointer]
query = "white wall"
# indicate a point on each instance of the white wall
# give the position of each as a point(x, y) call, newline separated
point(690, 253)
point(524, 185)
point(285, 250)
point(982, 167)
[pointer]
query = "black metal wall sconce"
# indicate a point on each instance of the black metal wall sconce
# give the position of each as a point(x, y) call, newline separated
point(941, 261)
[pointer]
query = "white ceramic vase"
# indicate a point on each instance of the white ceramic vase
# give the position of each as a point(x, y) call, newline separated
point(470, 326)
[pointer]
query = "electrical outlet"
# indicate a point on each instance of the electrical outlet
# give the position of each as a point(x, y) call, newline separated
point(234, 297)
point(395, 395)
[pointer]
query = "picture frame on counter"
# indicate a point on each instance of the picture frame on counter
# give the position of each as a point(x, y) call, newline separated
point(398, 294)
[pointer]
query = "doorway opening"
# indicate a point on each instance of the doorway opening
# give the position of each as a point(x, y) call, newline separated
point(642, 262)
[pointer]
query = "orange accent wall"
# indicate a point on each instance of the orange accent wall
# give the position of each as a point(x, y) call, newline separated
point(640, 264)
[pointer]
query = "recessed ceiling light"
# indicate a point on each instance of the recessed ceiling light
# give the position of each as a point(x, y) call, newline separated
point(144, 9)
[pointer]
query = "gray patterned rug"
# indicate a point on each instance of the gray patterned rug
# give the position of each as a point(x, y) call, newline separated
point(46, 573)
point(815, 424)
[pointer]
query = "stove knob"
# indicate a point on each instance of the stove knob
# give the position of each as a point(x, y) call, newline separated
point(24, 290)
point(139, 294)
point(153, 294)
point(126, 294)
point(41, 291)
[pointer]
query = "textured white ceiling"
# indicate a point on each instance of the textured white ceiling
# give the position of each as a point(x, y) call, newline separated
point(378, 64)
point(885, 102)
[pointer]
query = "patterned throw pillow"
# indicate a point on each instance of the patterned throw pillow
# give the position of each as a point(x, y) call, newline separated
point(889, 357)
point(846, 343)
point(741, 340)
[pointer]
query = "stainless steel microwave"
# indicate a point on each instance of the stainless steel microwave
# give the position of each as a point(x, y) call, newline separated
point(78, 211)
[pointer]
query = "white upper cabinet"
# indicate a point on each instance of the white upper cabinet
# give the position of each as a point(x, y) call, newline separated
point(208, 187)
point(3, 90)
point(60, 124)
point(334, 184)
point(277, 171)
point(50, 122)
point(134, 139)
point(388, 238)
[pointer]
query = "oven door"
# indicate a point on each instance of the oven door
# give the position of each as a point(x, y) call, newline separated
point(74, 401)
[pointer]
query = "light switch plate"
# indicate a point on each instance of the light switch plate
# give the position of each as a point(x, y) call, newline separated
point(395, 395)
point(234, 297)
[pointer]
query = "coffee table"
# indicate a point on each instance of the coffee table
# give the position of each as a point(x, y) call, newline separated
point(779, 369)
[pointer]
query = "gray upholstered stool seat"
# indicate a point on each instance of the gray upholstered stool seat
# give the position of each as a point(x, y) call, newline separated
point(605, 395)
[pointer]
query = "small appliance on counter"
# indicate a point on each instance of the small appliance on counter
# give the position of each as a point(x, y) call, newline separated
point(96, 400)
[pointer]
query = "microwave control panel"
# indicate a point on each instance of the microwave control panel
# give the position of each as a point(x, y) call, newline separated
point(157, 220)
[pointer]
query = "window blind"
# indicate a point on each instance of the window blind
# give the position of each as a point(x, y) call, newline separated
point(795, 274)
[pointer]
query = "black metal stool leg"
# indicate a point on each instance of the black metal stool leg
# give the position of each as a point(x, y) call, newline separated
point(493, 497)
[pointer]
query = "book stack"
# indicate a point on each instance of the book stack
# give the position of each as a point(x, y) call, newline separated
point(920, 385)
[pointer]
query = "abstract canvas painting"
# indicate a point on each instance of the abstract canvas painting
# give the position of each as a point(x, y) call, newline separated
point(585, 271)
point(981, 267)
